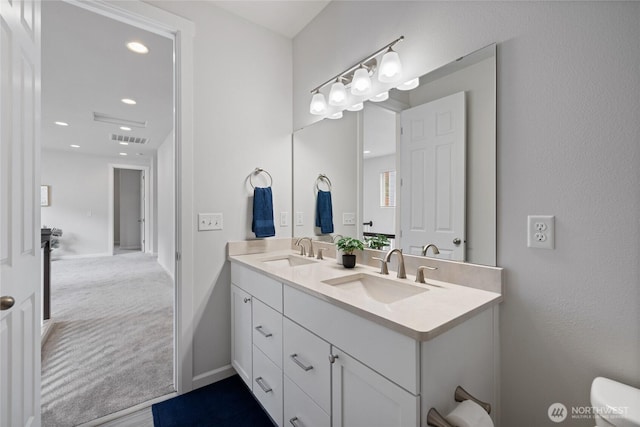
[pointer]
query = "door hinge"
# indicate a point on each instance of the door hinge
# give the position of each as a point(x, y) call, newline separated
point(400, 233)
point(400, 182)
point(401, 131)
point(178, 256)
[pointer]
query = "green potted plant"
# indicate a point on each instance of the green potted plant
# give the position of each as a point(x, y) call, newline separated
point(377, 242)
point(347, 245)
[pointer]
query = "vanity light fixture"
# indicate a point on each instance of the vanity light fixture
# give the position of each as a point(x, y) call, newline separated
point(318, 104)
point(408, 85)
point(358, 79)
point(137, 47)
point(361, 84)
point(380, 97)
point(335, 116)
point(390, 67)
point(338, 94)
point(356, 107)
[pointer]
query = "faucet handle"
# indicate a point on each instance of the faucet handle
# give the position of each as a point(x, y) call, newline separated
point(320, 250)
point(420, 272)
point(384, 269)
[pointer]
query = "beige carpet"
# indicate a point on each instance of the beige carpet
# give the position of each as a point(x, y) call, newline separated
point(112, 342)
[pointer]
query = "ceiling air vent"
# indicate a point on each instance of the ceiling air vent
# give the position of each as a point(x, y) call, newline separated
point(129, 139)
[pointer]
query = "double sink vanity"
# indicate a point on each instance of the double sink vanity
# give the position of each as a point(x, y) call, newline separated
point(322, 345)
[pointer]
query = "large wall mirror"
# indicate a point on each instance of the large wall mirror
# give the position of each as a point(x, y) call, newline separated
point(419, 167)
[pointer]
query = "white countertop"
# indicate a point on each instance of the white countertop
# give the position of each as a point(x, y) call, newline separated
point(421, 317)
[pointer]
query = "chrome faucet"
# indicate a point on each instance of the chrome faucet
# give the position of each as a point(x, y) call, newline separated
point(337, 237)
point(436, 251)
point(302, 251)
point(401, 272)
point(420, 273)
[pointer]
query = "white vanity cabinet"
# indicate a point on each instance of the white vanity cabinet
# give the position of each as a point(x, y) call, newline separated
point(314, 363)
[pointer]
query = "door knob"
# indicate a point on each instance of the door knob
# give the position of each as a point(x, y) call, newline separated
point(6, 303)
point(456, 241)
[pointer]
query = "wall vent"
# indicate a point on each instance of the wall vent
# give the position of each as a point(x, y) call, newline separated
point(129, 139)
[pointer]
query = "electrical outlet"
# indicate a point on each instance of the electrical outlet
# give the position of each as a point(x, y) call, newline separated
point(284, 219)
point(209, 221)
point(540, 231)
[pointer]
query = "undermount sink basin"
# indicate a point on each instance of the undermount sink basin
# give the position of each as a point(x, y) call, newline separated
point(380, 289)
point(287, 261)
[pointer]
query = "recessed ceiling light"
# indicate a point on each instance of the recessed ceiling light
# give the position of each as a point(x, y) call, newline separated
point(62, 123)
point(124, 143)
point(74, 146)
point(128, 101)
point(366, 152)
point(140, 154)
point(137, 47)
point(125, 128)
point(123, 154)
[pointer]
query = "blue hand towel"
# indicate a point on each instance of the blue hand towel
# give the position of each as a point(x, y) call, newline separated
point(324, 212)
point(262, 224)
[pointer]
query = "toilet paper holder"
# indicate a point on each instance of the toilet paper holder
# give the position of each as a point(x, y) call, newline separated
point(436, 420)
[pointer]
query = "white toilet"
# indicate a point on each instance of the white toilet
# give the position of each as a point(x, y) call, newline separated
point(615, 404)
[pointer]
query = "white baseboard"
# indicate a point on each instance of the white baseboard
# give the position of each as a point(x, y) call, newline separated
point(166, 270)
point(47, 327)
point(54, 258)
point(132, 248)
point(213, 376)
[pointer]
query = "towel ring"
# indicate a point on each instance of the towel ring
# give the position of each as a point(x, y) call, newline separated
point(325, 178)
point(258, 171)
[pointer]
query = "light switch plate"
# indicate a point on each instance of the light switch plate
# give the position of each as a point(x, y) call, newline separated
point(210, 221)
point(348, 218)
point(284, 219)
point(299, 218)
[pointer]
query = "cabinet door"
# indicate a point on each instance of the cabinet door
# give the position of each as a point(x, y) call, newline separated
point(362, 397)
point(241, 344)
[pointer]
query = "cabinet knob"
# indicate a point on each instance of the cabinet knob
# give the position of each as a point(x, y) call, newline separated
point(457, 241)
point(246, 300)
point(332, 358)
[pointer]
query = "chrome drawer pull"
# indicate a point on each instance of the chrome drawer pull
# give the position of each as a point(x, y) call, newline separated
point(295, 422)
point(263, 385)
point(264, 334)
point(294, 357)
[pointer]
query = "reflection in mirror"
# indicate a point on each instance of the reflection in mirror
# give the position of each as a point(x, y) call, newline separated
point(439, 139)
point(326, 148)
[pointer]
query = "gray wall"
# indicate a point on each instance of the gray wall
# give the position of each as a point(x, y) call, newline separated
point(568, 132)
point(242, 120)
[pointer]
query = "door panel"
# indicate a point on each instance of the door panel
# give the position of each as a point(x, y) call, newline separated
point(433, 177)
point(20, 257)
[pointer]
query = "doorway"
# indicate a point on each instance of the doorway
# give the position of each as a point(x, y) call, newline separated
point(112, 299)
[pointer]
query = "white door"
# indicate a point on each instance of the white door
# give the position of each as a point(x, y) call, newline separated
point(142, 213)
point(241, 336)
point(362, 397)
point(20, 259)
point(433, 177)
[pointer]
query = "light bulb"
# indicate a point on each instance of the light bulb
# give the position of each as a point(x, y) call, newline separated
point(380, 97)
point(411, 84)
point(361, 84)
point(356, 107)
point(318, 104)
point(337, 115)
point(390, 67)
point(338, 94)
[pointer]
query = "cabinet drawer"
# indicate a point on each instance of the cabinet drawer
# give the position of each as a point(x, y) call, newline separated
point(260, 286)
point(267, 331)
point(267, 385)
point(306, 362)
point(300, 410)
point(388, 352)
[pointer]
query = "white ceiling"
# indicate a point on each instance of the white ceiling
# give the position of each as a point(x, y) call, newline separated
point(287, 18)
point(87, 68)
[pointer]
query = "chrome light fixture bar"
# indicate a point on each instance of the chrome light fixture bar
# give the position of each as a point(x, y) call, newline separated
point(358, 77)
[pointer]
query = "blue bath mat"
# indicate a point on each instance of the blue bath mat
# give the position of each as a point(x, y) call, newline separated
point(227, 403)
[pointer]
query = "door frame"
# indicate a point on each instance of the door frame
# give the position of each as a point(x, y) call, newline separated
point(181, 31)
point(148, 218)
